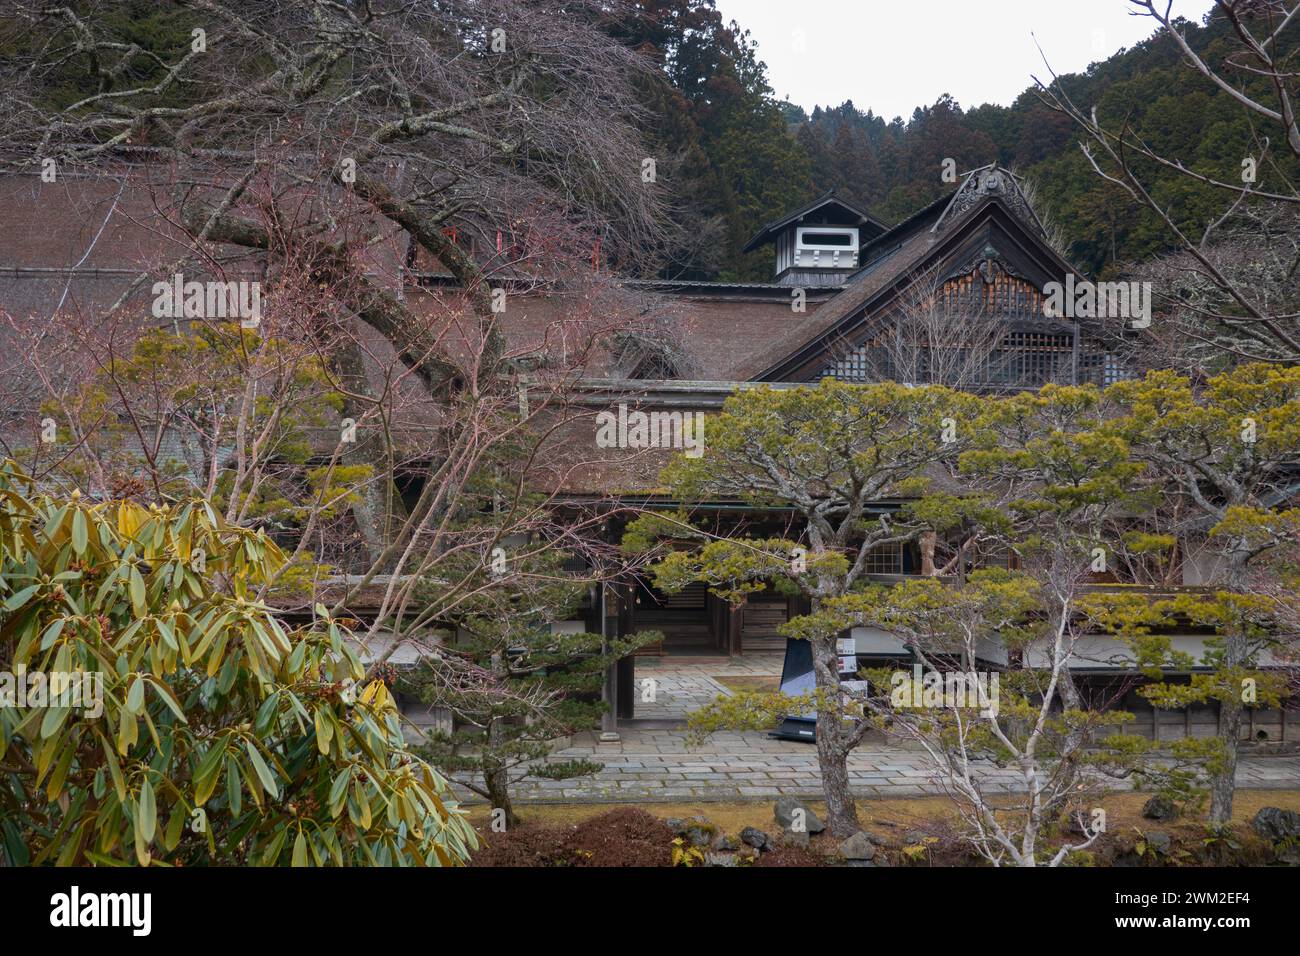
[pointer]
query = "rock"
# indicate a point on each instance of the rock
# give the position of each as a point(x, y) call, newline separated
point(1290, 856)
point(720, 859)
point(697, 831)
point(785, 811)
point(1159, 840)
point(858, 847)
point(1159, 807)
point(797, 838)
point(913, 837)
point(1275, 824)
point(725, 844)
point(752, 836)
point(700, 835)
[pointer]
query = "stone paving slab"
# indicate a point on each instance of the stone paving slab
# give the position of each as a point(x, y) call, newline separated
point(659, 765)
point(671, 687)
point(649, 764)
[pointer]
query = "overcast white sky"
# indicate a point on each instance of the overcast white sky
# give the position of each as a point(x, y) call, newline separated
point(894, 55)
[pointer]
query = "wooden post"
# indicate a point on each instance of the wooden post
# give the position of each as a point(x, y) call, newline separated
point(609, 719)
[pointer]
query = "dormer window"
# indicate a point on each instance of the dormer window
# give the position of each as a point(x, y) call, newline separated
point(826, 247)
point(818, 245)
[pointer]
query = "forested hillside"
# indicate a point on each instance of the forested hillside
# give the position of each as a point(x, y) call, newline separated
point(738, 157)
point(731, 156)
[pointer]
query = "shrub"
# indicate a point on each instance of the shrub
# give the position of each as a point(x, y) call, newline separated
point(220, 736)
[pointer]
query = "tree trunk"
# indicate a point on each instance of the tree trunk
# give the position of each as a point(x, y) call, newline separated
point(1223, 782)
point(372, 513)
point(496, 777)
point(499, 794)
point(927, 554)
point(832, 754)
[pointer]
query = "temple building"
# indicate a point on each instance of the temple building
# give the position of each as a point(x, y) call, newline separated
point(956, 294)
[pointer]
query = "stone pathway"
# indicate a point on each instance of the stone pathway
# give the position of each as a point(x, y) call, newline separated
point(670, 688)
point(652, 763)
point(657, 765)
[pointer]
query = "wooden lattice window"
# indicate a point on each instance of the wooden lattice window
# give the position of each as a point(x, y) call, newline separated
point(1032, 359)
point(1004, 295)
point(885, 559)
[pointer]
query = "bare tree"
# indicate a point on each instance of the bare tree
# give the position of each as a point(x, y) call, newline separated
point(1257, 249)
point(398, 179)
point(968, 722)
point(951, 331)
point(1230, 286)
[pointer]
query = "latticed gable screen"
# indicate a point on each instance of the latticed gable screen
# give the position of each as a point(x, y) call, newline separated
point(1006, 296)
point(947, 339)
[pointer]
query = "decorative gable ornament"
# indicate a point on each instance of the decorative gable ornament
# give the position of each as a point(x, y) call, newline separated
point(984, 183)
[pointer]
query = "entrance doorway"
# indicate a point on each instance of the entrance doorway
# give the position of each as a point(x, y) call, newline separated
point(695, 623)
point(683, 618)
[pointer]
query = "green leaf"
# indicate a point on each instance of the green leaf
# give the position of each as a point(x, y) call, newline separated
point(339, 790)
point(299, 850)
point(52, 634)
point(79, 532)
point(19, 598)
point(266, 713)
point(137, 593)
point(206, 776)
point(165, 632)
point(273, 851)
point(147, 811)
point(324, 731)
point(264, 773)
point(54, 718)
point(141, 848)
point(161, 690)
point(114, 769)
point(135, 696)
point(234, 786)
point(174, 827)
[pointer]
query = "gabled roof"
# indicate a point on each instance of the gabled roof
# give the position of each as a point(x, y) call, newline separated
point(849, 213)
point(988, 198)
point(977, 184)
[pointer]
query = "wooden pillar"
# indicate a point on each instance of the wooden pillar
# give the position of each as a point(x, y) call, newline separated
point(627, 688)
point(610, 690)
point(626, 624)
